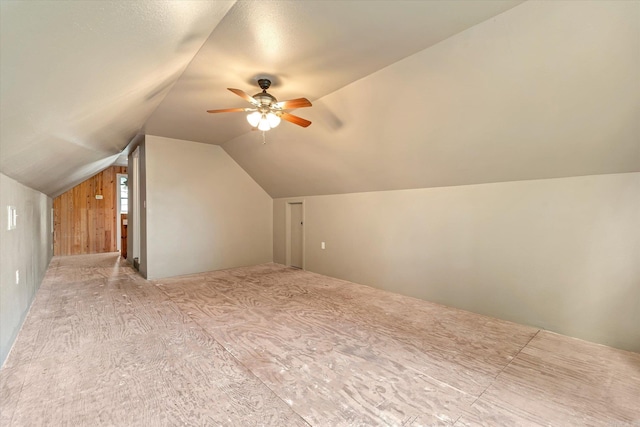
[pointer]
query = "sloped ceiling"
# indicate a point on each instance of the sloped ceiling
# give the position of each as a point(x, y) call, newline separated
point(309, 48)
point(406, 94)
point(544, 90)
point(78, 79)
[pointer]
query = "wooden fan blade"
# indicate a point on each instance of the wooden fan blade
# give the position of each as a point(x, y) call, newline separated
point(293, 103)
point(244, 96)
point(229, 110)
point(295, 119)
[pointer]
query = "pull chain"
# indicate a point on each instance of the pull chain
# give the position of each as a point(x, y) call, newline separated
point(264, 137)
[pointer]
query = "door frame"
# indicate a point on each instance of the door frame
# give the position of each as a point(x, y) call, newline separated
point(134, 205)
point(288, 231)
point(119, 212)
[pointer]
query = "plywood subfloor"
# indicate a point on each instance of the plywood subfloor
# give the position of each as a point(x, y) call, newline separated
point(268, 345)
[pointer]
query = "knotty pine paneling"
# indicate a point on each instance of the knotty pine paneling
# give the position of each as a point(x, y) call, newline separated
point(84, 224)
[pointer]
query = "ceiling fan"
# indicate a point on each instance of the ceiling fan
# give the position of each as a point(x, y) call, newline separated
point(267, 111)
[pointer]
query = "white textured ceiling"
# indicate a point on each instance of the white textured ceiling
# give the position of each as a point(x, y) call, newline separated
point(544, 90)
point(312, 48)
point(78, 79)
point(487, 90)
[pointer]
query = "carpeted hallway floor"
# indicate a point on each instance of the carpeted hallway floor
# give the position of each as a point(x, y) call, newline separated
point(269, 345)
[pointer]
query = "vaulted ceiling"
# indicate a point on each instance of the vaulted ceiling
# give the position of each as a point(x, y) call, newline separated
point(406, 94)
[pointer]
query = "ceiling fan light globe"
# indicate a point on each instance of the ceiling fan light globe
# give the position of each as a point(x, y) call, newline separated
point(254, 118)
point(273, 120)
point(264, 125)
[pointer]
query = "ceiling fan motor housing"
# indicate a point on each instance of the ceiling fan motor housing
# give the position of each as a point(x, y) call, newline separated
point(265, 99)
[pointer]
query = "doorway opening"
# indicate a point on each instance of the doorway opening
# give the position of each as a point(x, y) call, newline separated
point(295, 234)
point(122, 195)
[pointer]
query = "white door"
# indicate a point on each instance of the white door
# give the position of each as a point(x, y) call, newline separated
point(296, 234)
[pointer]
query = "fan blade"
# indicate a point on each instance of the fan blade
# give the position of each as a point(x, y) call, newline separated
point(229, 110)
point(244, 96)
point(293, 103)
point(295, 119)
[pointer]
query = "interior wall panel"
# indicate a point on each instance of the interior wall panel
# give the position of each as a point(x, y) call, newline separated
point(558, 254)
point(84, 224)
point(203, 212)
point(25, 252)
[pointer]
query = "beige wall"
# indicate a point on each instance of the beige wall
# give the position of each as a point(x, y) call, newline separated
point(560, 254)
point(28, 248)
point(203, 212)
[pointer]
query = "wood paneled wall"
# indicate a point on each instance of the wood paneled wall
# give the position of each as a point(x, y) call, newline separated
point(84, 224)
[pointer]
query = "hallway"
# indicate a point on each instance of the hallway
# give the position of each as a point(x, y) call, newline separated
point(269, 345)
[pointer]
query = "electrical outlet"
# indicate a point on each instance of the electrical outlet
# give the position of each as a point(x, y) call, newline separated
point(322, 245)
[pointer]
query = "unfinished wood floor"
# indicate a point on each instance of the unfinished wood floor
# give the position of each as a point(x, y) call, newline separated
point(268, 345)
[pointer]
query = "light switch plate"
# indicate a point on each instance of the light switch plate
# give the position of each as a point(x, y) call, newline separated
point(12, 216)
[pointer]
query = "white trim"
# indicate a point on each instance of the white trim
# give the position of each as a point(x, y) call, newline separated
point(134, 204)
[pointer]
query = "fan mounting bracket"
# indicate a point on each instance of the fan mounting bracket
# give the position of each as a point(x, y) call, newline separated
point(264, 84)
